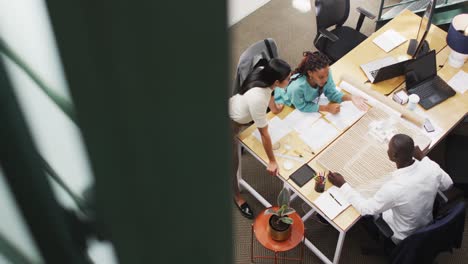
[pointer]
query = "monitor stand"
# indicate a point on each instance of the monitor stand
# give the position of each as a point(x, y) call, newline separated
point(413, 45)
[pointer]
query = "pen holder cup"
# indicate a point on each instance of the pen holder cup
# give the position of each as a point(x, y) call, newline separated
point(319, 184)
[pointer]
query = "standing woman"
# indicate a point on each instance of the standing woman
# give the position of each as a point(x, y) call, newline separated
point(251, 104)
point(310, 79)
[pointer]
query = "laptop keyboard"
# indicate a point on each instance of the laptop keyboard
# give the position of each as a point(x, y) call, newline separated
point(427, 89)
point(374, 73)
point(424, 90)
point(430, 95)
point(444, 86)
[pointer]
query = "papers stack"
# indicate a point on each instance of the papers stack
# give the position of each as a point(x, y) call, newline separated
point(331, 202)
point(348, 114)
point(459, 82)
point(389, 40)
point(276, 128)
point(298, 120)
point(318, 135)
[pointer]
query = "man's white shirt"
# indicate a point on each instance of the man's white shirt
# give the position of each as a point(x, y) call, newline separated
point(406, 200)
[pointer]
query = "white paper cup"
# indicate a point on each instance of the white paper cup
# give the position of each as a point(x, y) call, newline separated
point(413, 100)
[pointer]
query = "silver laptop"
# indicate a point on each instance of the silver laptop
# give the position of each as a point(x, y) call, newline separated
point(372, 68)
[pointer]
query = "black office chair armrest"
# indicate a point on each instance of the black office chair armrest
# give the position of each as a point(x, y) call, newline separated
point(324, 32)
point(364, 13)
point(383, 227)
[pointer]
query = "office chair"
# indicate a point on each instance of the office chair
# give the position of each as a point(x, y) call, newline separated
point(257, 54)
point(342, 39)
point(442, 234)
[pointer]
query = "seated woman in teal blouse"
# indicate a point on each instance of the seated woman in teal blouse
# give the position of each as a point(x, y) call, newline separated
point(310, 79)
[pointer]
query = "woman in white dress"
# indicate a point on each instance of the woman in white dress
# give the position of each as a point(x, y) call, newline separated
point(251, 104)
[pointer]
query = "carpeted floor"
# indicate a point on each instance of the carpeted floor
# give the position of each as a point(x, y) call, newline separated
point(294, 32)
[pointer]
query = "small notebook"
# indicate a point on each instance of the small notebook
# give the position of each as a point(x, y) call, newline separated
point(331, 202)
point(302, 175)
point(389, 40)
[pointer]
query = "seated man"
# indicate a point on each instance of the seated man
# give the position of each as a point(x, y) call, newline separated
point(407, 198)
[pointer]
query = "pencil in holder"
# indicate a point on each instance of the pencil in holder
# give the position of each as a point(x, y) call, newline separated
point(319, 183)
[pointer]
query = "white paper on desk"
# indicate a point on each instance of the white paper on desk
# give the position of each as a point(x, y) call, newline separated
point(370, 100)
point(459, 82)
point(318, 135)
point(355, 91)
point(277, 129)
point(348, 114)
point(389, 40)
point(330, 206)
point(297, 120)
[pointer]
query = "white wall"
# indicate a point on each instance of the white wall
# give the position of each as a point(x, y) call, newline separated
point(238, 9)
point(25, 26)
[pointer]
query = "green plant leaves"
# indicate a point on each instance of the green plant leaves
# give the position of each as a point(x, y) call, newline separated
point(284, 197)
point(288, 211)
point(63, 103)
point(281, 210)
point(287, 220)
point(271, 211)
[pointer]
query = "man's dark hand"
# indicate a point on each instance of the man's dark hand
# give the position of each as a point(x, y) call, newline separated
point(336, 179)
point(418, 154)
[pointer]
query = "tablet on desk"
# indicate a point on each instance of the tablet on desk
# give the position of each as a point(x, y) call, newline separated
point(303, 175)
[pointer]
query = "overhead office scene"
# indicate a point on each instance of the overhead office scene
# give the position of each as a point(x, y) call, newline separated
point(239, 131)
point(349, 131)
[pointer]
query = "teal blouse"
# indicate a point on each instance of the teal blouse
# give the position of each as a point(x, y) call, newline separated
point(305, 97)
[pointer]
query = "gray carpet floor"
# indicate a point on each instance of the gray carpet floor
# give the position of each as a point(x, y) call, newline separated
point(294, 33)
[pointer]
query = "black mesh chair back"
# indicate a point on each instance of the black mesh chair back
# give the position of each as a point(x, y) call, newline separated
point(342, 39)
point(258, 53)
point(331, 12)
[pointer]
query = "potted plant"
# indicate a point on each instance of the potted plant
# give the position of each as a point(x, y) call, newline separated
point(280, 223)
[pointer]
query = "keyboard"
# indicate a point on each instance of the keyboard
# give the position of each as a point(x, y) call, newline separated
point(432, 92)
point(424, 90)
point(374, 73)
point(429, 88)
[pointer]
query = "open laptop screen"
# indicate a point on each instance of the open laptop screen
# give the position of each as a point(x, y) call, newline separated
point(421, 69)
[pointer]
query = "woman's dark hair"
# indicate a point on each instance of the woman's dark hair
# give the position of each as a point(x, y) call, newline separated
point(312, 61)
point(275, 69)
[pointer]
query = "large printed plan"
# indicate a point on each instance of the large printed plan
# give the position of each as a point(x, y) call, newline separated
point(360, 154)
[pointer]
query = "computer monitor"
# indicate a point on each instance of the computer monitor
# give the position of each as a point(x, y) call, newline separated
point(419, 46)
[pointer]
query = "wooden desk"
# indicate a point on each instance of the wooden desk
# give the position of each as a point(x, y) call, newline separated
point(407, 24)
point(450, 112)
point(255, 146)
point(446, 115)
